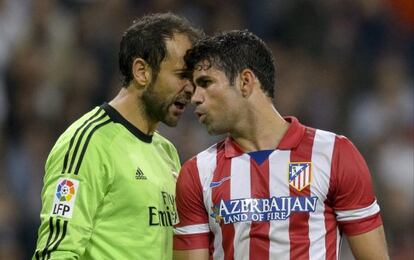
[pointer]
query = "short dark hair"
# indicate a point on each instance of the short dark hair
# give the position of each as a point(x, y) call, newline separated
point(234, 51)
point(146, 39)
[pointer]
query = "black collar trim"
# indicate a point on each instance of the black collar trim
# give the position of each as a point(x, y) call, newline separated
point(118, 118)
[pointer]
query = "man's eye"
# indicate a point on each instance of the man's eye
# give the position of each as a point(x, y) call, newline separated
point(184, 75)
point(204, 83)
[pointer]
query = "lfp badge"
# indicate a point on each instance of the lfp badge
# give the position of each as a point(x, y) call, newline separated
point(65, 190)
point(300, 175)
point(64, 199)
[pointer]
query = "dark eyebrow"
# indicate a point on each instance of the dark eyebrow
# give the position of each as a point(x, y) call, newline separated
point(184, 72)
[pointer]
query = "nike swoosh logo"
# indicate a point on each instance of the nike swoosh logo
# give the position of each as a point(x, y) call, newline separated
point(215, 184)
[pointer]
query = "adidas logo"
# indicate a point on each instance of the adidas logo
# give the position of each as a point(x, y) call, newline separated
point(139, 175)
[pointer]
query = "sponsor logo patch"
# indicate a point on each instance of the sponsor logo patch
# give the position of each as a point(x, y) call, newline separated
point(165, 214)
point(65, 196)
point(300, 175)
point(258, 210)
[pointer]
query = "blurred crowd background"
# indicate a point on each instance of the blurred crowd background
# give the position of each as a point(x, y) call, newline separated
point(342, 65)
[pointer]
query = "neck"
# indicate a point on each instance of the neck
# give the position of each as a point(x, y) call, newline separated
point(263, 129)
point(129, 104)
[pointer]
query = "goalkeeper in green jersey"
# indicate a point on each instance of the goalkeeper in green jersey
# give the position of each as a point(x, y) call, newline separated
point(109, 187)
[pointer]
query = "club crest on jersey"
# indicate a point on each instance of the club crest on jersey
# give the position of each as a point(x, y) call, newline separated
point(300, 175)
point(64, 197)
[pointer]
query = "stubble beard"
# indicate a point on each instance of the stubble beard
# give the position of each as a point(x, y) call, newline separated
point(212, 128)
point(156, 108)
point(218, 125)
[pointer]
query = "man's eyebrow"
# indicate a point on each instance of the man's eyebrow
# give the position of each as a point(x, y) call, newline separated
point(184, 72)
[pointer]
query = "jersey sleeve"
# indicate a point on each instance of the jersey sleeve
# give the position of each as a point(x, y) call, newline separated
point(74, 185)
point(192, 231)
point(354, 202)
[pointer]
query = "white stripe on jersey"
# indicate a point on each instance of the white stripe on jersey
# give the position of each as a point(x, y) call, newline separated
point(348, 215)
point(240, 188)
point(339, 240)
point(206, 163)
point(321, 162)
point(192, 229)
point(279, 187)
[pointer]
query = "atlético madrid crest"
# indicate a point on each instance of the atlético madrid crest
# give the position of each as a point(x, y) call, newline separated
point(300, 175)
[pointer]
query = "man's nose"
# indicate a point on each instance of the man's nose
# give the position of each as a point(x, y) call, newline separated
point(188, 88)
point(197, 97)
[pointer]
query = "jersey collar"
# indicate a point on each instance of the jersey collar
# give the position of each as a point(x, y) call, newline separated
point(290, 140)
point(118, 118)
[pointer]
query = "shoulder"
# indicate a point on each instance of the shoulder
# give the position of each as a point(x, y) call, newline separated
point(159, 139)
point(338, 148)
point(165, 144)
point(210, 154)
point(93, 131)
point(205, 162)
point(95, 123)
point(323, 141)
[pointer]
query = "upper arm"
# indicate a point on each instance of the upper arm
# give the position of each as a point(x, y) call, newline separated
point(192, 231)
point(199, 254)
point(369, 245)
point(354, 202)
point(70, 200)
point(352, 195)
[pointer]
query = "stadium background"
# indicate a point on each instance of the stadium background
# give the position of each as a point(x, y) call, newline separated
point(345, 66)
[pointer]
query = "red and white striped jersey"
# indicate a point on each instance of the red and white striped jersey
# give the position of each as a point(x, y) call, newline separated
point(295, 205)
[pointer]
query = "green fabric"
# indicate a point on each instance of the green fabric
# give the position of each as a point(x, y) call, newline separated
point(123, 207)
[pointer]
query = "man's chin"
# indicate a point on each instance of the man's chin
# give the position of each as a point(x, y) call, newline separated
point(211, 130)
point(171, 121)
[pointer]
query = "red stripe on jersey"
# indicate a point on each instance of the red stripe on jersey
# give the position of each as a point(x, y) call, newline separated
point(259, 231)
point(298, 222)
point(193, 241)
point(223, 193)
point(360, 226)
point(331, 232)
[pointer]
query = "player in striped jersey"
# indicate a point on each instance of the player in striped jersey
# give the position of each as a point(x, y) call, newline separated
point(109, 185)
point(274, 188)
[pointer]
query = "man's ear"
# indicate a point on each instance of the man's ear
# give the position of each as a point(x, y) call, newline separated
point(141, 71)
point(247, 82)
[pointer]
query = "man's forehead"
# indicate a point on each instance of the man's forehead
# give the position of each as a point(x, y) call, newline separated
point(207, 69)
point(177, 46)
point(176, 49)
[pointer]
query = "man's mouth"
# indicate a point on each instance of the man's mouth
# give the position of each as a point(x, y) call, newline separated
point(180, 104)
point(201, 116)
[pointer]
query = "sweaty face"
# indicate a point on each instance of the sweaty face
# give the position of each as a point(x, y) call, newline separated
point(218, 104)
point(167, 96)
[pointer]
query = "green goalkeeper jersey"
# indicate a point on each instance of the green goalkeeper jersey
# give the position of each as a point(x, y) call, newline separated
point(108, 192)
